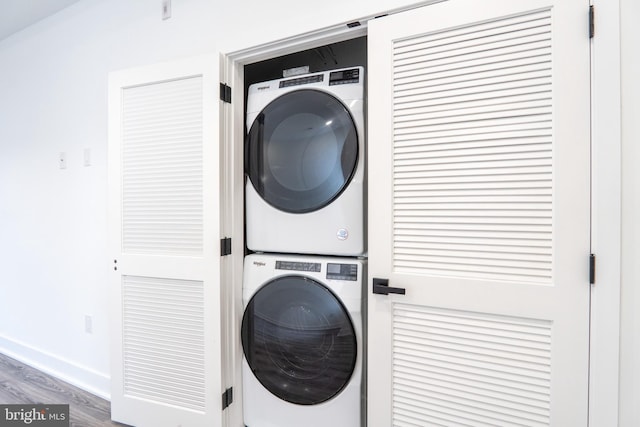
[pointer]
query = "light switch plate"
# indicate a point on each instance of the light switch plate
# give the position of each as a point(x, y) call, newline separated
point(166, 9)
point(62, 160)
point(88, 324)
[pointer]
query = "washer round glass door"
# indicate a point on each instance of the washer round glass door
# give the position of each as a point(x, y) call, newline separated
point(298, 340)
point(302, 151)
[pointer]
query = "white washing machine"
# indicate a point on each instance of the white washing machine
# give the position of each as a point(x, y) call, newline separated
point(302, 341)
point(305, 160)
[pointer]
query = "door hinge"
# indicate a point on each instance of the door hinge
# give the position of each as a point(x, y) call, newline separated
point(592, 269)
point(592, 22)
point(225, 93)
point(225, 246)
point(227, 398)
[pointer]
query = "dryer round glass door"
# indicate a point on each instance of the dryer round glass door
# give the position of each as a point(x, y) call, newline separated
point(298, 340)
point(302, 151)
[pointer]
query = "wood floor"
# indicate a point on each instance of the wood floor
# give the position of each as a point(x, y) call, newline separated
point(20, 383)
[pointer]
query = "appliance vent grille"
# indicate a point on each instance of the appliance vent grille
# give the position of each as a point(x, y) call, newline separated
point(472, 151)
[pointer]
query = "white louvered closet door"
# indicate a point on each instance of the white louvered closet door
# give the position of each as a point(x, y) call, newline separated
point(479, 207)
point(164, 183)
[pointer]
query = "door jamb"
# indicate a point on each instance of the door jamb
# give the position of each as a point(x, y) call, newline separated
point(232, 143)
point(606, 145)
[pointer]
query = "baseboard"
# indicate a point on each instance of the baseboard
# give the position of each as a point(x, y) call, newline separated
point(82, 377)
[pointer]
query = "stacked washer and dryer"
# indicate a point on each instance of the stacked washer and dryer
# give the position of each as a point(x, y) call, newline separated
point(302, 327)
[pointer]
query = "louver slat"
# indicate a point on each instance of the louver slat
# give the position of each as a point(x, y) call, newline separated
point(469, 369)
point(162, 168)
point(472, 161)
point(163, 336)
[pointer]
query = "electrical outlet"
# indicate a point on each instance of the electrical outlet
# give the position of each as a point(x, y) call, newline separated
point(166, 9)
point(88, 324)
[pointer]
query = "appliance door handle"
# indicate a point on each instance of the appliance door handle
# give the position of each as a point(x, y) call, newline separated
point(381, 287)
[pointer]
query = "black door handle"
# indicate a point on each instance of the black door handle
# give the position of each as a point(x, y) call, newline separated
point(381, 287)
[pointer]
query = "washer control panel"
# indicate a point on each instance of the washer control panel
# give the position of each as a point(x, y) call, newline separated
point(335, 271)
point(298, 266)
point(342, 271)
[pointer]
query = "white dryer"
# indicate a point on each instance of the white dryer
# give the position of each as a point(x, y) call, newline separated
point(302, 341)
point(305, 160)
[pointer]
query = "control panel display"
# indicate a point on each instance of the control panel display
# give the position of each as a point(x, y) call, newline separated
point(344, 77)
point(342, 271)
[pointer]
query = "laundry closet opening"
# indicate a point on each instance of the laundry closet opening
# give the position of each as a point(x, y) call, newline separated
point(309, 94)
point(304, 270)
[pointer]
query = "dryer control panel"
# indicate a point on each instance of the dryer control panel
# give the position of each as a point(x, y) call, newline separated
point(344, 76)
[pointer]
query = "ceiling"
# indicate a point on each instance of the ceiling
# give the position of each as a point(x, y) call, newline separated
point(16, 15)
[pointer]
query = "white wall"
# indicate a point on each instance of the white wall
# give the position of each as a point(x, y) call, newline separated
point(53, 89)
point(630, 292)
